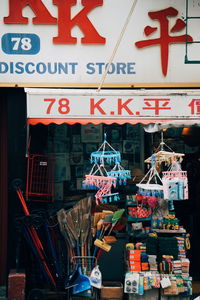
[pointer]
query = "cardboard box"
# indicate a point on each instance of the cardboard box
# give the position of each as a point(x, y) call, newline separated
point(135, 269)
point(145, 266)
point(16, 285)
point(112, 290)
point(134, 255)
point(134, 252)
point(134, 258)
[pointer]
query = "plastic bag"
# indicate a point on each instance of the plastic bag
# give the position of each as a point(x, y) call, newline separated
point(96, 278)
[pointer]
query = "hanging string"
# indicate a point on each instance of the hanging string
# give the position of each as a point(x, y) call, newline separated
point(98, 169)
point(117, 45)
point(152, 173)
point(103, 145)
point(92, 169)
point(162, 144)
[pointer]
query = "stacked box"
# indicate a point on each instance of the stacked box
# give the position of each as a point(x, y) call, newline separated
point(181, 247)
point(177, 267)
point(185, 264)
point(134, 258)
point(153, 266)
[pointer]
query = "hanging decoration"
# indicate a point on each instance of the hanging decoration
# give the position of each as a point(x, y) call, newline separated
point(104, 180)
point(120, 174)
point(152, 187)
point(98, 178)
point(175, 183)
point(163, 156)
point(103, 156)
point(105, 191)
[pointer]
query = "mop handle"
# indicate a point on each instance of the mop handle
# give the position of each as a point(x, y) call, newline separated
point(36, 241)
point(27, 213)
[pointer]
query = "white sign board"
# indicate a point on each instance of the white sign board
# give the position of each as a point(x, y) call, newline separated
point(57, 43)
point(114, 105)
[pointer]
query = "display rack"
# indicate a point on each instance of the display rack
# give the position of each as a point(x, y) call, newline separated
point(106, 173)
point(162, 250)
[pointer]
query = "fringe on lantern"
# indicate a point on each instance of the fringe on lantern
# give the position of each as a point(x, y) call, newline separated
point(105, 157)
point(110, 198)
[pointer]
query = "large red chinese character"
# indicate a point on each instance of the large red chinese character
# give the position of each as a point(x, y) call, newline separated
point(165, 39)
point(157, 104)
point(195, 106)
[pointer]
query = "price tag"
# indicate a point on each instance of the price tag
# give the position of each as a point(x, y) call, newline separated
point(165, 282)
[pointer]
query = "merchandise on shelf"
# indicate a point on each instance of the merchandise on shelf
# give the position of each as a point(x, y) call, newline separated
point(153, 265)
point(178, 285)
point(168, 223)
point(159, 256)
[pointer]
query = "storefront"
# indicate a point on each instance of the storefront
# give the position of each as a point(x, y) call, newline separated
point(132, 87)
point(109, 112)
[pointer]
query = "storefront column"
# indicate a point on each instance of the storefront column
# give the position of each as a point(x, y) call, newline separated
point(3, 190)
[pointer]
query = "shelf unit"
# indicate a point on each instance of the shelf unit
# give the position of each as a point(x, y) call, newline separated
point(169, 231)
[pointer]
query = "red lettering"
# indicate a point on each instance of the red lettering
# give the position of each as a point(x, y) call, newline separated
point(165, 39)
point(63, 106)
point(96, 105)
point(66, 23)
point(52, 101)
point(124, 106)
point(15, 12)
point(195, 106)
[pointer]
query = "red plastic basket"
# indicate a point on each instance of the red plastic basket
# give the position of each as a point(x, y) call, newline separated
point(40, 178)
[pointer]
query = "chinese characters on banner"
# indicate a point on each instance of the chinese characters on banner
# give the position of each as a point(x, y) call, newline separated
point(110, 106)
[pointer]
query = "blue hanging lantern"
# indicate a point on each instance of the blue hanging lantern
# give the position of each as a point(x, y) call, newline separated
point(101, 179)
point(110, 198)
point(120, 174)
point(105, 156)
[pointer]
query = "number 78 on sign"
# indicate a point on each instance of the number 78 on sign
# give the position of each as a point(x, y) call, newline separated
point(20, 43)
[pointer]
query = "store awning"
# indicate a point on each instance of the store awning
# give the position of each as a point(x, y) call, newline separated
point(162, 107)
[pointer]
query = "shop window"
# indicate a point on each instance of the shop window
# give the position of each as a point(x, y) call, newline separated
point(71, 146)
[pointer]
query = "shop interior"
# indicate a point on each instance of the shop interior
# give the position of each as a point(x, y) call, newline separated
point(71, 153)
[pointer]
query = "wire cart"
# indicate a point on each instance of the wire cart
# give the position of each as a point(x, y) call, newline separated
point(40, 178)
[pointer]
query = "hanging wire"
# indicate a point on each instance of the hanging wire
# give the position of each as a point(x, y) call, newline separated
point(117, 45)
point(103, 145)
point(162, 144)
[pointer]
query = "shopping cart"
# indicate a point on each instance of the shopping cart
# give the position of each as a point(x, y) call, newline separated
point(40, 178)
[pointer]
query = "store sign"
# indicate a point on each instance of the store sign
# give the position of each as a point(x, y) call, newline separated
point(69, 42)
point(69, 104)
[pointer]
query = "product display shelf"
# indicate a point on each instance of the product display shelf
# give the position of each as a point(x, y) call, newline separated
point(132, 219)
point(131, 204)
point(164, 232)
point(182, 231)
point(128, 204)
point(138, 236)
point(149, 295)
point(174, 297)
